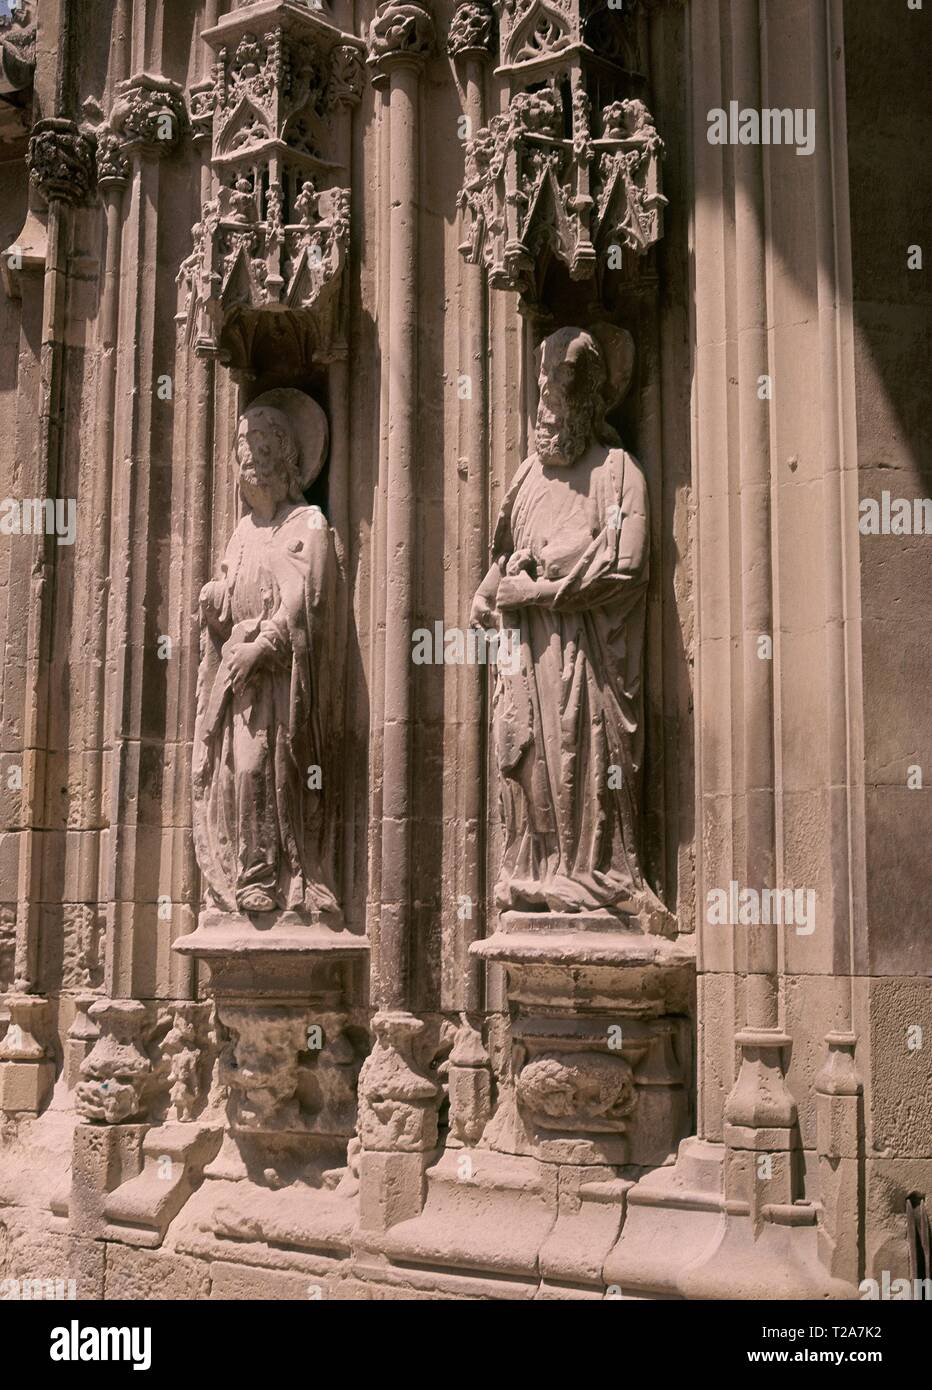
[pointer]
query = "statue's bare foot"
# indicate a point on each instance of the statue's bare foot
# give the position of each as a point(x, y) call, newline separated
point(256, 900)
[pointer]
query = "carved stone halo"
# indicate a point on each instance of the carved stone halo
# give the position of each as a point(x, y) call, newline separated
point(309, 424)
point(618, 353)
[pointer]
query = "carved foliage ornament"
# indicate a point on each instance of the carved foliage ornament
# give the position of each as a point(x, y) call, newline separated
point(472, 29)
point(61, 160)
point(400, 29)
point(149, 113)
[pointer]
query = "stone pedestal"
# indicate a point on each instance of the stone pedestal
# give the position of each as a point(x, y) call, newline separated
point(27, 1074)
point(397, 1123)
point(284, 987)
point(602, 1044)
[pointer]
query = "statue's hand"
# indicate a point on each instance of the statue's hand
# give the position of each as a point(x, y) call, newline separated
point(517, 590)
point(522, 560)
point(243, 657)
point(484, 613)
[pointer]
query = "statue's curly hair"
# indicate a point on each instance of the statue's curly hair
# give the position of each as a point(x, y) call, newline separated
point(278, 425)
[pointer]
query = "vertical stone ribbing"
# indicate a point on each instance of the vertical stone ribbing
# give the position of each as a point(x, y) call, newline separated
point(400, 51)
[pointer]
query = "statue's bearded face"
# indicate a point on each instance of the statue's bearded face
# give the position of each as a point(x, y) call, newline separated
point(565, 413)
point(266, 455)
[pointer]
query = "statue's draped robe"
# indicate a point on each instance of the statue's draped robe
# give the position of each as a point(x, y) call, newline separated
point(258, 814)
point(568, 724)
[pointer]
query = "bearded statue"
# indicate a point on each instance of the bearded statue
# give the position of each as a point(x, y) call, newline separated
point(570, 572)
point(263, 728)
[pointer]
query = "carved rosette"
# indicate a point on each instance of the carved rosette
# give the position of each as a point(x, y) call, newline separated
point(472, 30)
point(402, 31)
point(588, 1091)
point(61, 160)
point(115, 1072)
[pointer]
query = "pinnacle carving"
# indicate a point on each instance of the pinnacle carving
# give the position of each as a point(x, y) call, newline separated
point(276, 230)
point(570, 170)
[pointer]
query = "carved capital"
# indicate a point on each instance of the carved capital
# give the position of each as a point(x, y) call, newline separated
point(472, 30)
point(113, 166)
point(115, 1071)
point(61, 160)
point(148, 115)
point(401, 32)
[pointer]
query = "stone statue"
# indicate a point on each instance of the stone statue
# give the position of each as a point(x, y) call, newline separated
point(570, 572)
point(263, 713)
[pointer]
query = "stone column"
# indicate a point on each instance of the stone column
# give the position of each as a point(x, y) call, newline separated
point(838, 1086)
point(760, 1113)
point(470, 41)
point(147, 119)
point(393, 1154)
point(113, 176)
point(346, 91)
point(61, 172)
